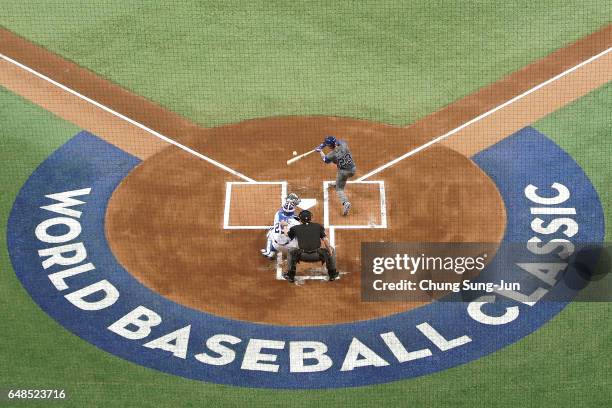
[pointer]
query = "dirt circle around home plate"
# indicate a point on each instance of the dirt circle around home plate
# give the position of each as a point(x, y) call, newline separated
point(165, 221)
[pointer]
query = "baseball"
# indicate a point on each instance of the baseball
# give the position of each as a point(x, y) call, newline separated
point(294, 153)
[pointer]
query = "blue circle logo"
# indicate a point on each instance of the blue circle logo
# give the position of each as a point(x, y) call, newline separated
point(56, 241)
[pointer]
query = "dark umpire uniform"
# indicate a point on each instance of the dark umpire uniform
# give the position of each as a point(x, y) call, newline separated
point(309, 237)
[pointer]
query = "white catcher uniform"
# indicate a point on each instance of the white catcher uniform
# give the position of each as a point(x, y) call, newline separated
point(276, 237)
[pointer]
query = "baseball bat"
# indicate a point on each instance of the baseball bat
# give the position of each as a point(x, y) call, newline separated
point(301, 156)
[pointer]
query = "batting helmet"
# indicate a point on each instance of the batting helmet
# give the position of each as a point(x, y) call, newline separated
point(305, 216)
point(330, 141)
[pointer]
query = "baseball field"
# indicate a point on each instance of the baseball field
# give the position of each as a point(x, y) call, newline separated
point(145, 147)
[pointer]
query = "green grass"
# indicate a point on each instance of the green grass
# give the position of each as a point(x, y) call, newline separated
point(221, 62)
point(564, 364)
point(584, 129)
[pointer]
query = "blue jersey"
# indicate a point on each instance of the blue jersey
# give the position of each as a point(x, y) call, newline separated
point(281, 216)
point(276, 232)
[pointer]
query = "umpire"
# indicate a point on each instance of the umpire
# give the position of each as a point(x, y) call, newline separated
point(309, 237)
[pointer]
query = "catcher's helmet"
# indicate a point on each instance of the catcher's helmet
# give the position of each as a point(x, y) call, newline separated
point(330, 141)
point(305, 216)
point(288, 207)
point(293, 198)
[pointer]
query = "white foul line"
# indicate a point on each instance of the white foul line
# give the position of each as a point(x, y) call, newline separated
point(480, 117)
point(133, 122)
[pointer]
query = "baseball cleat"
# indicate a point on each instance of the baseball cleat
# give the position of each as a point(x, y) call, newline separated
point(345, 208)
point(334, 277)
point(269, 255)
point(288, 278)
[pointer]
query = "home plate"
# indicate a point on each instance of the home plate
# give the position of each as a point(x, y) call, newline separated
point(306, 203)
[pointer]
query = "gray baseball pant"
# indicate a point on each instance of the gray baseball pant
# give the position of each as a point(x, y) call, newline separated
point(341, 178)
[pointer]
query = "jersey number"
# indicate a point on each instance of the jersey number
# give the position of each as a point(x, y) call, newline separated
point(346, 161)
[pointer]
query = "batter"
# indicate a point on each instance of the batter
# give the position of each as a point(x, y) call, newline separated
point(341, 156)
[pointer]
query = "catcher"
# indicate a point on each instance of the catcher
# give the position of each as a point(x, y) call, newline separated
point(276, 237)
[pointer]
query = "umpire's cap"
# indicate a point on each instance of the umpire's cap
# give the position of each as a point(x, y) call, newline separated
point(305, 216)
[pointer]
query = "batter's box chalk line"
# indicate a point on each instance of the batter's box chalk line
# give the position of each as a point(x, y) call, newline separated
point(313, 273)
point(332, 228)
point(371, 223)
point(228, 200)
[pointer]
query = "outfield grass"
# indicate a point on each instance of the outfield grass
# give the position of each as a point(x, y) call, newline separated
point(563, 364)
point(220, 62)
